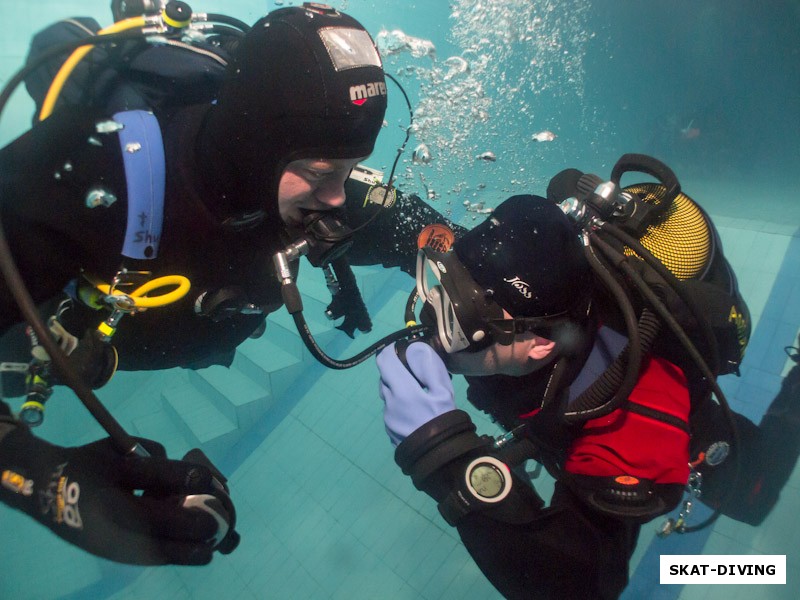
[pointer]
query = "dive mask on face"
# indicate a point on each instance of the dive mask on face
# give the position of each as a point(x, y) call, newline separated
point(466, 317)
point(465, 314)
point(460, 307)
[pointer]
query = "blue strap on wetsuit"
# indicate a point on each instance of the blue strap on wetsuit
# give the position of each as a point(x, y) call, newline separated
point(145, 172)
point(608, 345)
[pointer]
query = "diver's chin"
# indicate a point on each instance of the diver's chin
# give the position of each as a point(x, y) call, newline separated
point(293, 220)
point(473, 365)
point(464, 363)
point(520, 370)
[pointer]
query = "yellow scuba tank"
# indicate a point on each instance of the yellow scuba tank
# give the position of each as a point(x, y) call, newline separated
point(685, 240)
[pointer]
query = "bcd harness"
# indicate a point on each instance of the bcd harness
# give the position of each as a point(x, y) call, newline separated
point(142, 151)
point(68, 79)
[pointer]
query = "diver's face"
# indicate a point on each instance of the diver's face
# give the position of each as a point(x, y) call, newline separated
point(526, 354)
point(312, 184)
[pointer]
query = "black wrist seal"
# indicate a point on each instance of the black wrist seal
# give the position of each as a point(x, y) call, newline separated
point(438, 455)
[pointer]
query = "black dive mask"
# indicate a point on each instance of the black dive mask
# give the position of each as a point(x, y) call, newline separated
point(463, 314)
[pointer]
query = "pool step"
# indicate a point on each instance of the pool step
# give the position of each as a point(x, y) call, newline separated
point(268, 365)
point(282, 331)
point(166, 431)
point(213, 408)
point(241, 400)
point(199, 421)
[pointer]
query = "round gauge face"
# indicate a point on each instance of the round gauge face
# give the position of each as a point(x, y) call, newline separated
point(487, 480)
point(382, 196)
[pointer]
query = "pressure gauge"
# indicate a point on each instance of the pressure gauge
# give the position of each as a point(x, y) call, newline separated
point(382, 195)
point(488, 479)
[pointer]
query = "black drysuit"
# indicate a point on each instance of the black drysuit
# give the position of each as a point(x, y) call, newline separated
point(45, 177)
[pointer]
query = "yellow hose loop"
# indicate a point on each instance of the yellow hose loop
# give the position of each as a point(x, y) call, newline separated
point(141, 300)
point(77, 56)
point(182, 288)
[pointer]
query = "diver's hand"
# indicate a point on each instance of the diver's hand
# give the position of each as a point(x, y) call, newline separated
point(348, 303)
point(128, 509)
point(572, 183)
point(415, 394)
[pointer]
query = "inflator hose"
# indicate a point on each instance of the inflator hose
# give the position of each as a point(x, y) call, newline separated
point(710, 377)
point(620, 378)
point(224, 30)
point(58, 50)
point(124, 442)
point(697, 358)
point(227, 20)
point(78, 55)
point(674, 284)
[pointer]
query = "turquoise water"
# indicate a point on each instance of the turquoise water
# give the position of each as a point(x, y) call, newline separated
point(710, 88)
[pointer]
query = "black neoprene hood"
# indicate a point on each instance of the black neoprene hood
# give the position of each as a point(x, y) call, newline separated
point(302, 84)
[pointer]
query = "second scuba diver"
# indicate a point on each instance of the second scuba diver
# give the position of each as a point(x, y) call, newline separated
point(301, 103)
point(241, 176)
point(515, 307)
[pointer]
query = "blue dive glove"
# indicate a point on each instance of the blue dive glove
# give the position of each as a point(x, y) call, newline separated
point(415, 394)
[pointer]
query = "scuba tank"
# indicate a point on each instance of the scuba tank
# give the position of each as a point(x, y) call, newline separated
point(658, 248)
point(673, 296)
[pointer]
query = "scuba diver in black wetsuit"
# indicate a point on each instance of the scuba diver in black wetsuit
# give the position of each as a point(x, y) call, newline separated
point(239, 189)
point(242, 175)
point(540, 337)
point(259, 169)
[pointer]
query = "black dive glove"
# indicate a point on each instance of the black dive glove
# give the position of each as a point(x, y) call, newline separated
point(86, 495)
point(347, 302)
